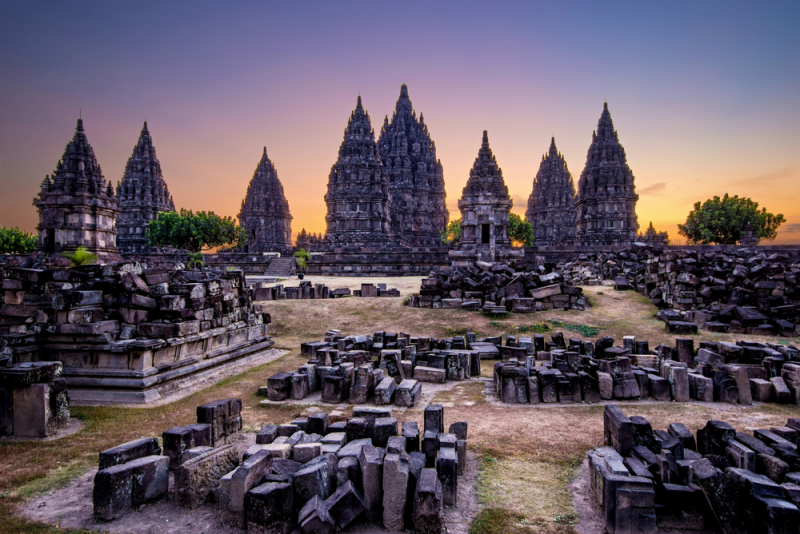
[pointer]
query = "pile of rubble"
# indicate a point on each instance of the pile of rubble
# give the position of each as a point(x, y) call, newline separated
point(741, 291)
point(311, 473)
point(33, 400)
point(581, 371)
point(646, 480)
point(123, 322)
point(386, 367)
point(498, 288)
point(307, 290)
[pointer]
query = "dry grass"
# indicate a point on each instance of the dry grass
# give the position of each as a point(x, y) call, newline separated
point(528, 453)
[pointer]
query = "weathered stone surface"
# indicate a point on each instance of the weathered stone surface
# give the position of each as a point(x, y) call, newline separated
point(345, 505)
point(430, 374)
point(408, 392)
point(245, 477)
point(271, 507)
point(317, 477)
point(447, 469)
point(314, 517)
point(181, 438)
point(197, 479)
point(395, 484)
point(120, 488)
point(129, 451)
point(224, 418)
point(371, 461)
point(427, 514)
point(265, 212)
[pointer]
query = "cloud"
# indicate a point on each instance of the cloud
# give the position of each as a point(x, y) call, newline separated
point(654, 189)
point(793, 228)
point(768, 178)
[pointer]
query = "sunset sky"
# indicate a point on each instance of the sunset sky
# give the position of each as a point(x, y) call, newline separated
point(705, 95)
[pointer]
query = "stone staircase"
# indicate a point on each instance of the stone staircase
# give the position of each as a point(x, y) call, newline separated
point(280, 267)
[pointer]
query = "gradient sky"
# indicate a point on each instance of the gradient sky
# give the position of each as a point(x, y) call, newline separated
point(705, 95)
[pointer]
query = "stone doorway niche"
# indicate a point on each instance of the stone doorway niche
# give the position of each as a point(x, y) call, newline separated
point(485, 234)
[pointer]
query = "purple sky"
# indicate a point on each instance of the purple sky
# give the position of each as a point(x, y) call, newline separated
point(705, 96)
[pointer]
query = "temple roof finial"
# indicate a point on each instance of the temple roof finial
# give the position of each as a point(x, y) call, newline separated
point(404, 91)
point(485, 142)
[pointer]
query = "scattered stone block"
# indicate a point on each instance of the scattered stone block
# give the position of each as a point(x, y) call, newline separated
point(182, 438)
point(270, 506)
point(122, 487)
point(197, 479)
point(129, 451)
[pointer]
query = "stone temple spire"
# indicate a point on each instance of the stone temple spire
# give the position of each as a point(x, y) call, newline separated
point(141, 195)
point(551, 206)
point(415, 175)
point(77, 207)
point(265, 212)
point(358, 199)
point(606, 202)
point(485, 207)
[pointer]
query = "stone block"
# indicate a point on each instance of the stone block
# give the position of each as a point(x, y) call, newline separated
point(385, 391)
point(129, 451)
point(39, 410)
point(353, 448)
point(371, 462)
point(334, 389)
point(427, 506)
point(122, 487)
point(395, 484)
point(447, 470)
point(317, 477)
point(410, 433)
point(408, 392)
point(270, 507)
point(434, 418)
point(618, 430)
point(224, 418)
point(246, 476)
point(346, 504)
point(701, 388)
point(267, 434)
point(279, 386)
point(606, 383)
point(679, 384)
point(760, 390)
point(384, 428)
point(314, 518)
point(659, 388)
point(430, 374)
point(197, 479)
point(317, 423)
point(179, 439)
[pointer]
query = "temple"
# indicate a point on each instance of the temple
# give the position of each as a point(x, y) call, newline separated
point(551, 206)
point(77, 207)
point(141, 196)
point(651, 237)
point(310, 242)
point(485, 206)
point(265, 212)
point(606, 204)
point(416, 180)
point(358, 198)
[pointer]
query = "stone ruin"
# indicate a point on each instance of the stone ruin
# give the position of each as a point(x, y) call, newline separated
point(572, 371)
point(307, 290)
point(127, 334)
point(77, 207)
point(741, 291)
point(310, 242)
point(265, 212)
point(606, 202)
point(33, 400)
point(141, 196)
point(551, 205)
point(386, 367)
point(497, 288)
point(313, 473)
point(416, 180)
point(485, 206)
point(646, 480)
point(358, 198)
point(653, 238)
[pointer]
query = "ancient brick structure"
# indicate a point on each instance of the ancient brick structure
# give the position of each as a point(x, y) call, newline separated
point(310, 242)
point(358, 198)
point(606, 205)
point(265, 211)
point(651, 237)
point(77, 207)
point(551, 206)
point(141, 195)
point(485, 205)
point(415, 175)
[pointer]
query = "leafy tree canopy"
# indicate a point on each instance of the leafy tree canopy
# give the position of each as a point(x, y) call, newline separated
point(194, 232)
point(520, 231)
point(452, 232)
point(724, 220)
point(15, 241)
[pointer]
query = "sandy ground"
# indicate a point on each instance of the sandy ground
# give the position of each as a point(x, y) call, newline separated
point(406, 284)
point(71, 507)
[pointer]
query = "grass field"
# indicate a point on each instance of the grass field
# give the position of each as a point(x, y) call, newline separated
point(528, 454)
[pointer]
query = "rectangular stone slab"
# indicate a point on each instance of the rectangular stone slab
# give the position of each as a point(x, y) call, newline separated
point(126, 452)
point(197, 479)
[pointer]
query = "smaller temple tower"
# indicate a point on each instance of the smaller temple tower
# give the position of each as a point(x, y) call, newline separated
point(485, 207)
point(265, 212)
point(358, 198)
point(77, 206)
point(551, 206)
point(141, 195)
point(651, 237)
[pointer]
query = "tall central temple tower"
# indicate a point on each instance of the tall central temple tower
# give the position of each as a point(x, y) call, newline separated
point(606, 204)
point(416, 178)
point(141, 195)
point(358, 197)
point(77, 206)
point(551, 206)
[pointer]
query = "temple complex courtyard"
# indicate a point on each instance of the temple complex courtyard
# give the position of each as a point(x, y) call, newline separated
point(524, 472)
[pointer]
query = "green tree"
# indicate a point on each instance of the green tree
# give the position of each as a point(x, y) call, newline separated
point(194, 232)
point(15, 241)
point(81, 256)
point(724, 221)
point(452, 232)
point(520, 231)
point(301, 257)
